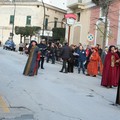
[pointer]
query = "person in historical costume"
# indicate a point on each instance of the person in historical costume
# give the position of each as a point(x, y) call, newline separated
point(95, 61)
point(118, 89)
point(110, 75)
point(31, 67)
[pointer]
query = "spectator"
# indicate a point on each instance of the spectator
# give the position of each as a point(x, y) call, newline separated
point(65, 55)
point(81, 59)
point(42, 47)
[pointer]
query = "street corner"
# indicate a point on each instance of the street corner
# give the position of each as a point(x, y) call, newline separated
point(4, 107)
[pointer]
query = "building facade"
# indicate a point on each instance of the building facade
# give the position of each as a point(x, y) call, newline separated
point(80, 29)
point(91, 20)
point(28, 13)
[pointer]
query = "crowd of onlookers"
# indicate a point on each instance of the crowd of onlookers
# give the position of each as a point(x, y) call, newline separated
point(72, 56)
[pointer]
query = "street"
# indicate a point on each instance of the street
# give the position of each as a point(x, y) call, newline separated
point(52, 95)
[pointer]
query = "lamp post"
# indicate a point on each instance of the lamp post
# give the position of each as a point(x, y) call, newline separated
point(13, 24)
point(70, 21)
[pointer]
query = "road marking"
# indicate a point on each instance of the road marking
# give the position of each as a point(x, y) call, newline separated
point(3, 105)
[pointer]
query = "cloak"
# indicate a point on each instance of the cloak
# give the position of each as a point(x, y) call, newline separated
point(31, 67)
point(95, 61)
point(110, 72)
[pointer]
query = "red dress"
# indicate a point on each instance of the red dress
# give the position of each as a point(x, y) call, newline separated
point(110, 75)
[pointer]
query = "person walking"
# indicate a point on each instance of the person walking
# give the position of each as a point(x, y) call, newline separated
point(31, 67)
point(81, 59)
point(109, 75)
point(65, 55)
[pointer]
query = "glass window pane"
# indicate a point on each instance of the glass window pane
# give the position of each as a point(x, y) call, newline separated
point(11, 19)
point(46, 23)
point(28, 20)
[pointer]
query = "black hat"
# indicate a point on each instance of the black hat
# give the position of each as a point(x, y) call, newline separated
point(33, 41)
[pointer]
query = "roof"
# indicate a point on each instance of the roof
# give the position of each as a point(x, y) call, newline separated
point(19, 0)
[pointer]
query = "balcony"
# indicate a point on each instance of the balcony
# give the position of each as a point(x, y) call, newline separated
point(74, 4)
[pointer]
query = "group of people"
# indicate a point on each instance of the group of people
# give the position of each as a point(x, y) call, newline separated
point(91, 61)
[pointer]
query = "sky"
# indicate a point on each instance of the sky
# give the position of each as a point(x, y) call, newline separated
point(58, 3)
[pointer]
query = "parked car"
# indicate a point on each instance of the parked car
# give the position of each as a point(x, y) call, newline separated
point(10, 45)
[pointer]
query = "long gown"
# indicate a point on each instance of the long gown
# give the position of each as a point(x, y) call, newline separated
point(31, 67)
point(110, 76)
point(95, 60)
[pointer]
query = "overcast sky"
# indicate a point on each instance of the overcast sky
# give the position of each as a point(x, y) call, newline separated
point(58, 3)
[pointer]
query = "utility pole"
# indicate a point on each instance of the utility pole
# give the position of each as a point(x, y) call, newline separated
point(13, 25)
point(43, 18)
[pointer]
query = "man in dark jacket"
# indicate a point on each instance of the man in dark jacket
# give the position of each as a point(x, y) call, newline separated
point(81, 59)
point(65, 55)
point(42, 47)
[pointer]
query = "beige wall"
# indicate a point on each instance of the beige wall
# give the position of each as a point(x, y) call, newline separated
point(80, 30)
point(35, 10)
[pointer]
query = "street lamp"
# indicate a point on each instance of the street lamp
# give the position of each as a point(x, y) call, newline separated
point(70, 21)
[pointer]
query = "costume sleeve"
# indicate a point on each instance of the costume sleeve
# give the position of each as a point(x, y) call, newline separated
point(94, 56)
point(38, 56)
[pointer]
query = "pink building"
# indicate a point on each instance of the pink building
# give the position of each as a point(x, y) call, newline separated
point(91, 19)
point(97, 23)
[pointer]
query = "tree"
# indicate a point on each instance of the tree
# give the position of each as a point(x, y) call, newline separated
point(59, 33)
point(96, 2)
point(26, 31)
point(104, 4)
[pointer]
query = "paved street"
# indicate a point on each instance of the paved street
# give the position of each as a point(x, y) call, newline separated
point(51, 95)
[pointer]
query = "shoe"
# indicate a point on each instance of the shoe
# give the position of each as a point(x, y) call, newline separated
point(42, 68)
point(60, 71)
point(87, 75)
point(65, 72)
point(94, 75)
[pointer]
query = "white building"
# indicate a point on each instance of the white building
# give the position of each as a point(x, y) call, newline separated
point(27, 13)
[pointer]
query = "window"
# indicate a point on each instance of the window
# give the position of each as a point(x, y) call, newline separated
point(11, 19)
point(78, 17)
point(28, 20)
point(55, 22)
point(46, 23)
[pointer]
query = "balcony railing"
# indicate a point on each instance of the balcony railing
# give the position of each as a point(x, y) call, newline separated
point(73, 2)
